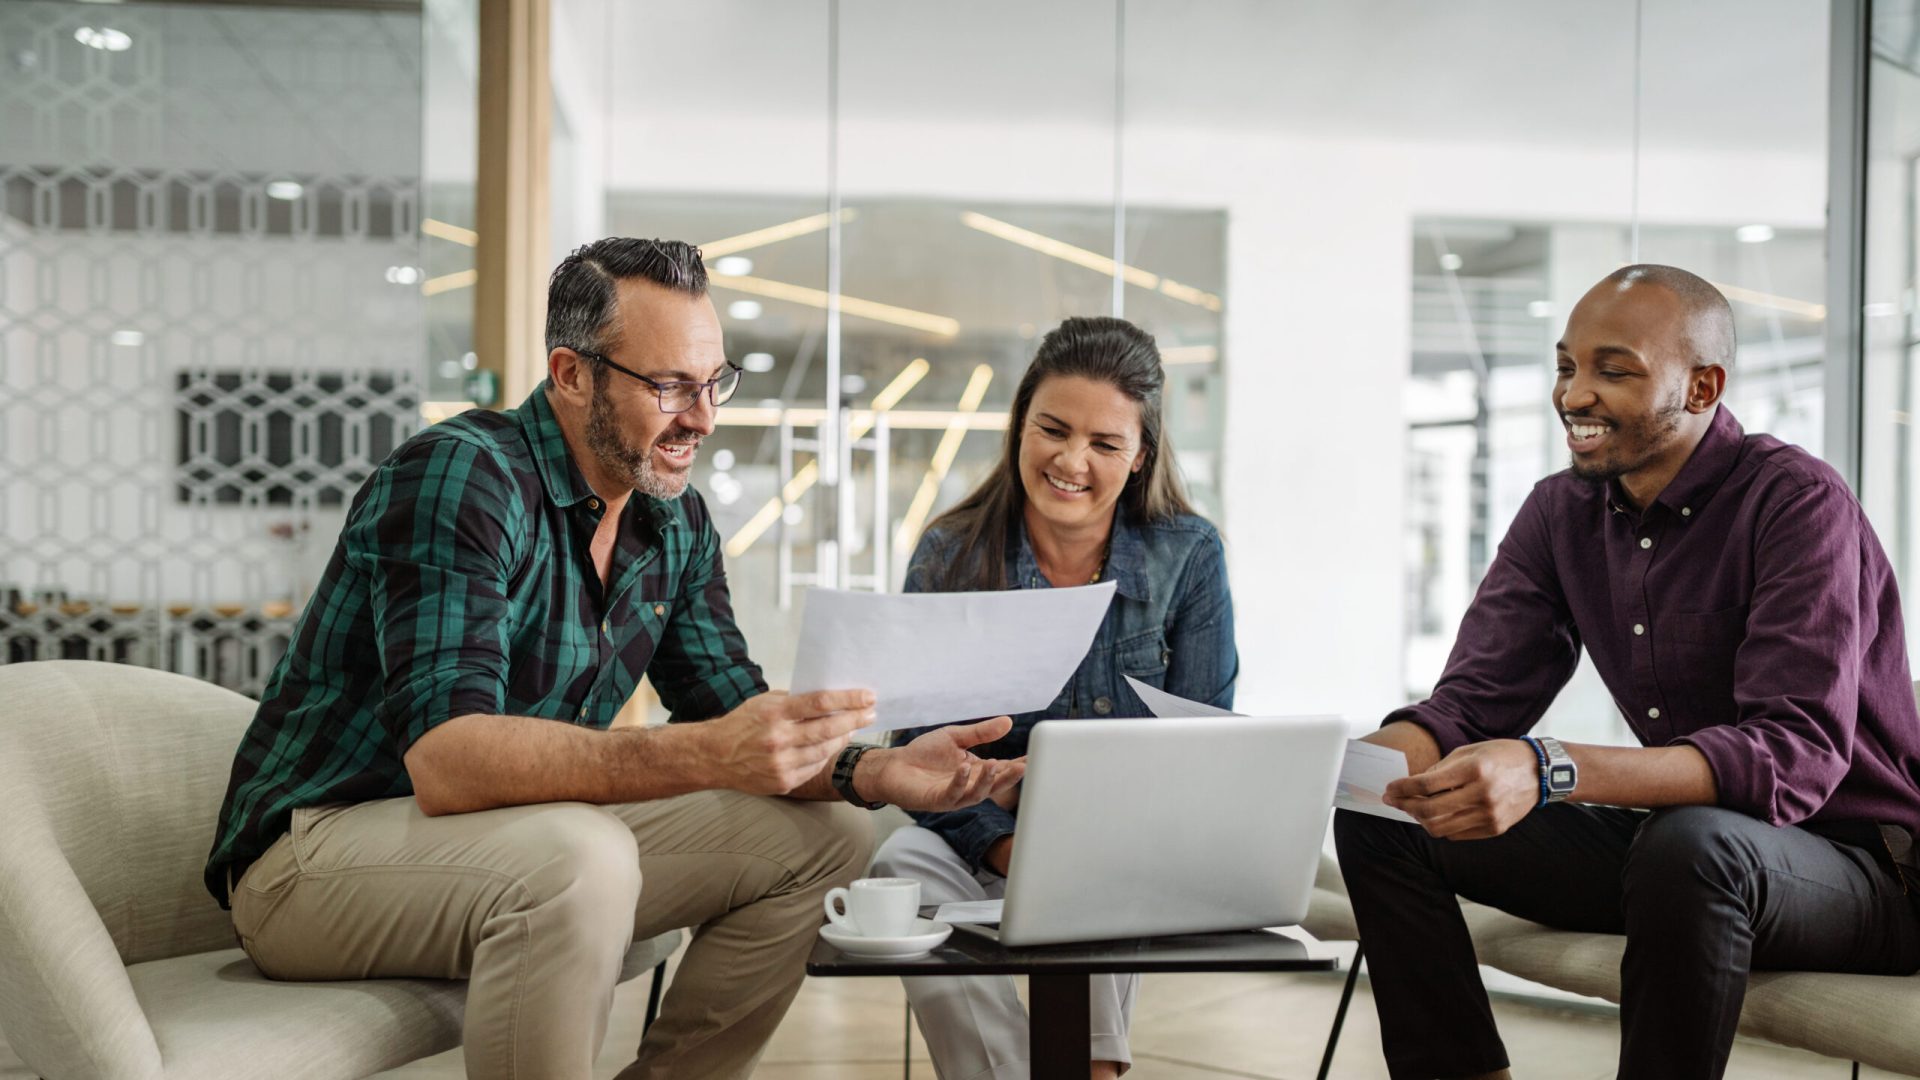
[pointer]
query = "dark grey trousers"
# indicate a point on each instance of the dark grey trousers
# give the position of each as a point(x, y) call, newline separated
point(1703, 895)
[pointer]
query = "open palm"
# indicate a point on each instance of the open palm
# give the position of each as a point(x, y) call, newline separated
point(939, 771)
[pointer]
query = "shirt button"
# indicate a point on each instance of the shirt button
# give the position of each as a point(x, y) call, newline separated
point(659, 609)
point(1638, 629)
point(583, 712)
point(1686, 511)
point(1646, 542)
point(593, 504)
point(1103, 706)
point(1653, 714)
point(604, 626)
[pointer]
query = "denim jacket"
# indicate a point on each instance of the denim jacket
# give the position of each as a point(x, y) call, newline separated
point(1170, 626)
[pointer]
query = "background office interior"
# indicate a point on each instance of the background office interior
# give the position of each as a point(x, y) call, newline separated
point(240, 249)
point(245, 250)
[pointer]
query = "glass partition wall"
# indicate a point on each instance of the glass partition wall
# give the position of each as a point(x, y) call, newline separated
point(236, 268)
point(213, 247)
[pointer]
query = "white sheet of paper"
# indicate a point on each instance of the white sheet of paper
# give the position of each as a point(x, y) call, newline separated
point(1365, 771)
point(934, 658)
point(1160, 703)
point(979, 912)
point(1364, 775)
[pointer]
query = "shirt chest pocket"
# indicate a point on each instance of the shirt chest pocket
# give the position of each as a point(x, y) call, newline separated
point(1694, 658)
point(1142, 656)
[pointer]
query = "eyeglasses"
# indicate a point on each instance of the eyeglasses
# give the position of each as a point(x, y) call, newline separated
point(677, 396)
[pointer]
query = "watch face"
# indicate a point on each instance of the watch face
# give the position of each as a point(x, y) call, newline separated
point(1560, 776)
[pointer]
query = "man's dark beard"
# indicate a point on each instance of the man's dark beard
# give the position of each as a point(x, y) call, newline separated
point(1636, 444)
point(617, 455)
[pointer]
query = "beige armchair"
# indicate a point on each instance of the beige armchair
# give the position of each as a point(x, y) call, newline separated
point(114, 962)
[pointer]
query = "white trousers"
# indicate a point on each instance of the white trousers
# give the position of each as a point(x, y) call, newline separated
point(975, 1026)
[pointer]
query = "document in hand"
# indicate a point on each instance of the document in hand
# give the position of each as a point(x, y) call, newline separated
point(934, 658)
point(1365, 772)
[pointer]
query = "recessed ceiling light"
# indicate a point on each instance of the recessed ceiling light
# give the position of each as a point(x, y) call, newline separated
point(131, 339)
point(722, 460)
point(104, 38)
point(853, 384)
point(1540, 309)
point(733, 265)
point(793, 514)
point(1753, 234)
point(757, 362)
point(404, 275)
point(284, 190)
point(1450, 261)
point(744, 310)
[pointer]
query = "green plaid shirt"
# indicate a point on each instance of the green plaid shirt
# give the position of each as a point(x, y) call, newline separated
point(463, 584)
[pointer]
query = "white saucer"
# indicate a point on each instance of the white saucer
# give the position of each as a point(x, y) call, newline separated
point(927, 936)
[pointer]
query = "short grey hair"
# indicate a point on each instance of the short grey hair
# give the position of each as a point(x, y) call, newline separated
point(581, 297)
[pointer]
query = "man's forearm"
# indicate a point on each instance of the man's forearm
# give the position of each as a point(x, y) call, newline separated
point(1421, 748)
point(1643, 777)
point(820, 788)
point(484, 762)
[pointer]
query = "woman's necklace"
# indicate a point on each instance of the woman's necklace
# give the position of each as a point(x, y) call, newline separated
point(1101, 567)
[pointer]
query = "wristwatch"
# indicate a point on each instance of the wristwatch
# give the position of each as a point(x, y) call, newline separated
point(1558, 773)
point(843, 776)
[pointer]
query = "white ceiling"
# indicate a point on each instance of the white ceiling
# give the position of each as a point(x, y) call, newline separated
point(1747, 73)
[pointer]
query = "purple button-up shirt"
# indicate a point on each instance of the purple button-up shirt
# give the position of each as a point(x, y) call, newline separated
point(1748, 612)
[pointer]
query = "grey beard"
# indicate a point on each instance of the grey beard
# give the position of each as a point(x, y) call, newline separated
point(617, 455)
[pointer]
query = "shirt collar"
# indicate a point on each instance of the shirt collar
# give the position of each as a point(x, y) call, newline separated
point(565, 485)
point(1705, 469)
point(1126, 558)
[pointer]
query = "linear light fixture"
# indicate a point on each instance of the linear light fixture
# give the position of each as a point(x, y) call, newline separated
point(454, 233)
point(897, 419)
point(943, 456)
point(435, 411)
point(459, 279)
point(1806, 309)
point(772, 234)
point(939, 325)
point(858, 425)
point(1092, 260)
point(1189, 354)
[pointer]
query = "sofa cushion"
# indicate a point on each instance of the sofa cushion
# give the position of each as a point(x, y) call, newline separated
point(215, 1016)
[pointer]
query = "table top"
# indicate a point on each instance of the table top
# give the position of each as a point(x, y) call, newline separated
point(970, 953)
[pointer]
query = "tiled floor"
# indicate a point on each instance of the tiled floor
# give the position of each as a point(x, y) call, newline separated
point(1186, 1027)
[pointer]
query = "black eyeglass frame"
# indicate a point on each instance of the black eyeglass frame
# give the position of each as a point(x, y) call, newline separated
point(710, 386)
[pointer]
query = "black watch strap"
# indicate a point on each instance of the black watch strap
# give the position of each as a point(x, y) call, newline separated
point(843, 776)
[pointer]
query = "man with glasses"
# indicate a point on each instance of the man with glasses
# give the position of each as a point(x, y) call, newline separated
point(431, 787)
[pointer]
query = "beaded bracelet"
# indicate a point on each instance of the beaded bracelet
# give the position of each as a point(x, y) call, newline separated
point(1541, 753)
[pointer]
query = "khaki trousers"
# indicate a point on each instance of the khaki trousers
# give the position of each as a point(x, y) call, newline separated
point(537, 905)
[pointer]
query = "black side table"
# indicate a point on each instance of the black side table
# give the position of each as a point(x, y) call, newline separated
point(1060, 1025)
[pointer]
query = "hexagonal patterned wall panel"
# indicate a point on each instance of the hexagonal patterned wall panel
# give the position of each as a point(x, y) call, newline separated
point(204, 342)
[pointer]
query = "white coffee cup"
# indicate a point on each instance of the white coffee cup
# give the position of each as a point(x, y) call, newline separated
point(876, 907)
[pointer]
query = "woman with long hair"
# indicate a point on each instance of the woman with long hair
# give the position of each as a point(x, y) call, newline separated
point(1086, 491)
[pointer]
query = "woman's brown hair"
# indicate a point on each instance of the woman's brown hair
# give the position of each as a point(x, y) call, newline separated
point(1112, 351)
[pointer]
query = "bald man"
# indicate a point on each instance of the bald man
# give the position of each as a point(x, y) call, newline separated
point(1741, 611)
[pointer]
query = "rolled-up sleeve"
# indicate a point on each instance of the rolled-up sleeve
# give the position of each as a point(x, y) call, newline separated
point(1516, 648)
point(433, 537)
point(702, 669)
point(1797, 671)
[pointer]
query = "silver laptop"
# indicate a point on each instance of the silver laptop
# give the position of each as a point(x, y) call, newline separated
point(1135, 828)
